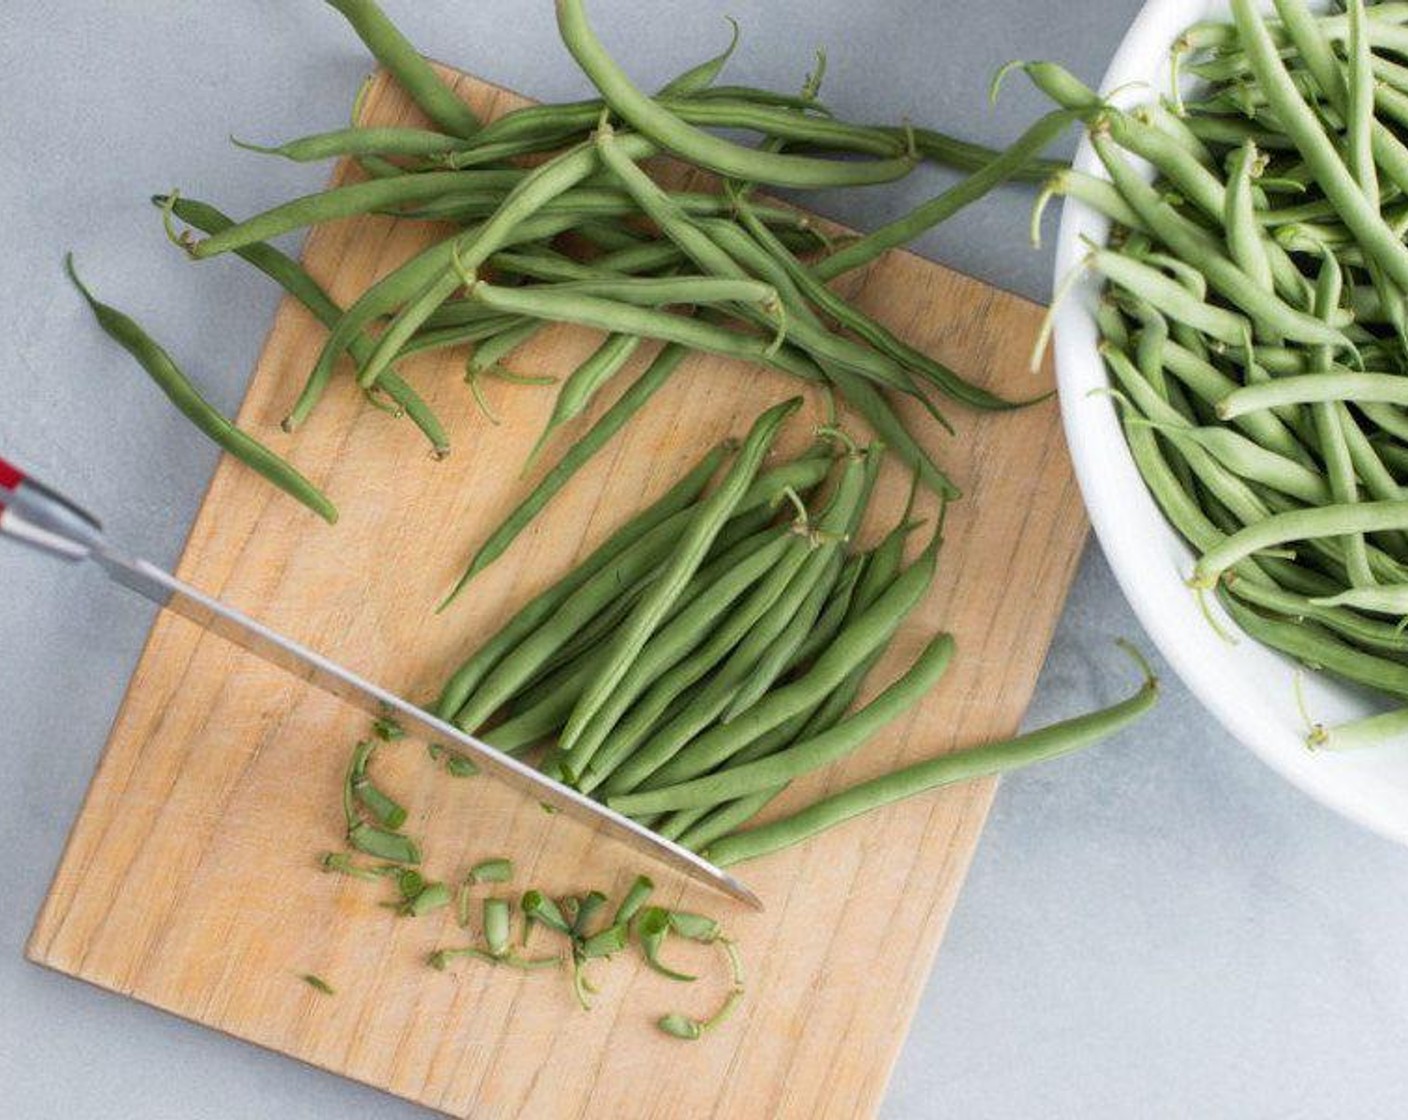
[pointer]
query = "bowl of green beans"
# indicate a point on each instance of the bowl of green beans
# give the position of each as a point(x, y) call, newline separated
point(1227, 363)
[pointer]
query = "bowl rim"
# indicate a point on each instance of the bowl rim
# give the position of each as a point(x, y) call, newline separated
point(1220, 676)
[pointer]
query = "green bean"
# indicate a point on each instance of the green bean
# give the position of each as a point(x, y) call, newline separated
point(710, 257)
point(1037, 746)
point(1098, 194)
point(291, 276)
point(665, 291)
point(787, 124)
point(863, 325)
point(360, 141)
point(615, 317)
point(803, 327)
point(416, 76)
point(493, 350)
point(543, 706)
point(758, 96)
point(702, 148)
point(476, 330)
point(1243, 238)
point(698, 79)
point(1209, 34)
point(876, 411)
point(1374, 142)
point(515, 668)
point(1169, 296)
point(1313, 645)
point(593, 201)
point(1173, 496)
point(776, 659)
point(1301, 524)
point(1383, 388)
point(740, 538)
point(870, 631)
point(694, 544)
point(828, 623)
point(656, 374)
point(696, 828)
point(806, 756)
point(666, 704)
point(379, 299)
point(1370, 632)
point(539, 722)
point(1011, 162)
point(649, 257)
point(1380, 600)
point(1372, 731)
point(579, 389)
point(178, 389)
point(1387, 417)
point(329, 205)
point(1158, 115)
point(1315, 147)
point(964, 155)
point(674, 501)
point(1251, 461)
point(1218, 129)
point(1331, 427)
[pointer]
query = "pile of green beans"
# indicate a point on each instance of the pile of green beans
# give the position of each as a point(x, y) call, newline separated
point(1254, 322)
point(547, 215)
point(710, 652)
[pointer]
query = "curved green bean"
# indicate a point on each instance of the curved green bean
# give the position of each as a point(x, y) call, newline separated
point(1302, 126)
point(337, 202)
point(1298, 525)
point(416, 76)
point(1037, 746)
point(1383, 388)
point(178, 389)
point(1010, 163)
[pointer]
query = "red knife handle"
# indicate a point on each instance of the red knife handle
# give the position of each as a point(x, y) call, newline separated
point(10, 478)
point(43, 518)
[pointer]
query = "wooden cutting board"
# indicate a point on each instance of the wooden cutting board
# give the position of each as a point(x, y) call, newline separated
point(190, 879)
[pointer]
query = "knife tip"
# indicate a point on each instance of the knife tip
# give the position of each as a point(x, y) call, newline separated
point(742, 893)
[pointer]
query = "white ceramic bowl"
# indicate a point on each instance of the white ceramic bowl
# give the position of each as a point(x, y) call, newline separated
point(1248, 687)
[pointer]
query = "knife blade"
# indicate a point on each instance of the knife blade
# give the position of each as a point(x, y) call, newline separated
point(41, 518)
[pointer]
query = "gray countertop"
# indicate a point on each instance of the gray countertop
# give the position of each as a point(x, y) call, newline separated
point(1157, 928)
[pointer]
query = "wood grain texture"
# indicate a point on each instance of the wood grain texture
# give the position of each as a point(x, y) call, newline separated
point(189, 880)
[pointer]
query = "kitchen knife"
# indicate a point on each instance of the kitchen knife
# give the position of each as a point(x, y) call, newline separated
point(40, 517)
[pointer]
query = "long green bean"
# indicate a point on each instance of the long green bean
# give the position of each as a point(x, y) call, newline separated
point(178, 389)
point(416, 76)
point(1037, 746)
